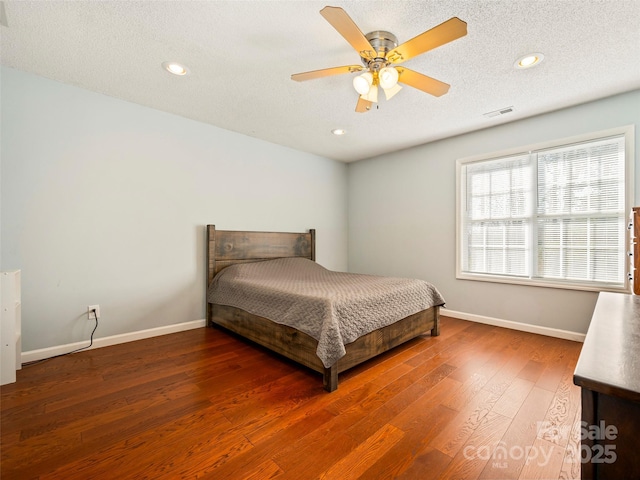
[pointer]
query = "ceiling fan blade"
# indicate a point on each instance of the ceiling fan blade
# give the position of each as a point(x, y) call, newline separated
point(422, 82)
point(363, 105)
point(301, 77)
point(346, 27)
point(444, 33)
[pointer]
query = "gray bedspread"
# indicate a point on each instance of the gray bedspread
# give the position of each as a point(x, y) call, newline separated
point(335, 308)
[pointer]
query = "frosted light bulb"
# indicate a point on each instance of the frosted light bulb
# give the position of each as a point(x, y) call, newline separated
point(362, 83)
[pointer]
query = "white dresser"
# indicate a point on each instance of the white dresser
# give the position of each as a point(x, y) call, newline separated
point(11, 328)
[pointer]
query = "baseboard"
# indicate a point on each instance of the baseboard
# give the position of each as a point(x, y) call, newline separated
point(524, 327)
point(43, 353)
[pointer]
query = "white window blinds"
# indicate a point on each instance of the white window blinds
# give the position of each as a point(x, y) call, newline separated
point(498, 220)
point(581, 212)
point(556, 215)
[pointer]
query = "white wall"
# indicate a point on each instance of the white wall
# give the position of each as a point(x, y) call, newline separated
point(402, 214)
point(104, 202)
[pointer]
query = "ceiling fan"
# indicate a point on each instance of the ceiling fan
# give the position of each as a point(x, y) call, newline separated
point(379, 51)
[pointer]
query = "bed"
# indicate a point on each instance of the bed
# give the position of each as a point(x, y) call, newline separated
point(226, 248)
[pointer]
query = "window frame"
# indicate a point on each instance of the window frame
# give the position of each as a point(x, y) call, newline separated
point(627, 131)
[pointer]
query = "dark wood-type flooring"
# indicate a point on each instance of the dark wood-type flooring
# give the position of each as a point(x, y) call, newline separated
point(477, 402)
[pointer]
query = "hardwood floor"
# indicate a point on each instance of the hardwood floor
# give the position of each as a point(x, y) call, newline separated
point(477, 402)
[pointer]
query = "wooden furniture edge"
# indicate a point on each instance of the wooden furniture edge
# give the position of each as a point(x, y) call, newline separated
point(636, 250)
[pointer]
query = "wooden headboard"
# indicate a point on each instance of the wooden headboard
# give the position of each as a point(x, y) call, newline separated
point(226, 247)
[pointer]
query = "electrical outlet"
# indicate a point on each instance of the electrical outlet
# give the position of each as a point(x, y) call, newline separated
point(90, 310)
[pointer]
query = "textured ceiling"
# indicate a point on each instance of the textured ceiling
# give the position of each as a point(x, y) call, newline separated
point(241, 55)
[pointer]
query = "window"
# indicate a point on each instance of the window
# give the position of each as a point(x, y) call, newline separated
point(553, 214)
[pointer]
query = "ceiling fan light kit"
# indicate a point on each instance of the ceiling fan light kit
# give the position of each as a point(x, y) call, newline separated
point(378, 52)
point(388, 77)
point(362, 83)
point(391, 91)
point(372, 95)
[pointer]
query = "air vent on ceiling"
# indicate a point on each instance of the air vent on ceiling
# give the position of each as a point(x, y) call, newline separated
point(500, 111)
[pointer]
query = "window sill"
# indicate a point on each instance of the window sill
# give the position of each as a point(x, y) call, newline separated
point(530, 282)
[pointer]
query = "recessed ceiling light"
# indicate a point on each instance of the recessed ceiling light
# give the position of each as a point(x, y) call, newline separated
point(529, 60)
point(175, 68)
point(338, 131)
